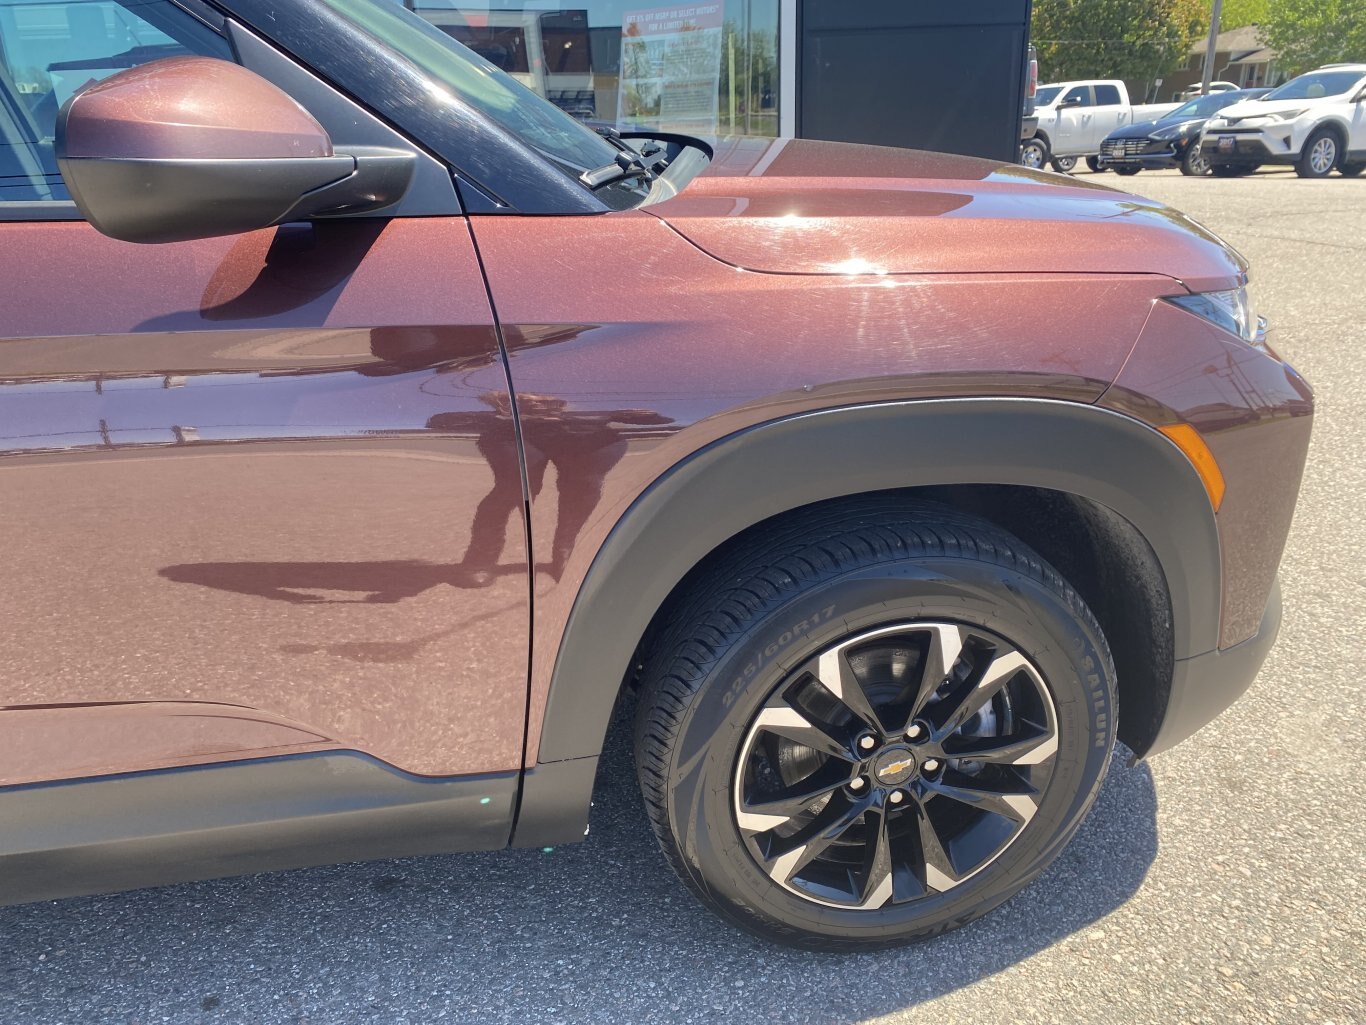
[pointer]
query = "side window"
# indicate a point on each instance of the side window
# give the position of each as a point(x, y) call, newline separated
point(1079, 92)
point(1107, 96)
point(51, 48)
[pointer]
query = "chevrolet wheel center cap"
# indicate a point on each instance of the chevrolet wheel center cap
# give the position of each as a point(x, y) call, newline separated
point(895, 766)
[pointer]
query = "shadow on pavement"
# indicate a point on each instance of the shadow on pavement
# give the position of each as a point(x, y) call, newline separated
point(597, 932)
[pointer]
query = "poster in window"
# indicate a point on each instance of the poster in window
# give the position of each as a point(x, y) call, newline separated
point(671, 68)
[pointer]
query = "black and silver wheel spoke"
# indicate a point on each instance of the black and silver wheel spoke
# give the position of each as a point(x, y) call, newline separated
point(895, 765)
point(936, 872)
point(977, 690)
point(945, 648)
point(790, 721)
point(789, 855)
point(876, 887)
point(835, 674)
point(1014, 799)
point(779, 809)
point(1029, 746)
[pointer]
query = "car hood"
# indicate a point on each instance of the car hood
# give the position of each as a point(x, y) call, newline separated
point(1261, 108)
point(804, 207)
point(1141, 129)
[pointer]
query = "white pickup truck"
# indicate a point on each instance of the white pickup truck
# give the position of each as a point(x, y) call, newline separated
point(1075, 116)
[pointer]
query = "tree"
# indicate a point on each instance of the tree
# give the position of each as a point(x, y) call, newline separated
point(1308, 33)
point(1130, 39)
point(1238, 13)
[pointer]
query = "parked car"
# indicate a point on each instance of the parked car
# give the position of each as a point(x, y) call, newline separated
point(1214, 87)
point(1075, 116)
point(1030, 155)
point(371, 428)
point(1173, 140)
point(1316, 122)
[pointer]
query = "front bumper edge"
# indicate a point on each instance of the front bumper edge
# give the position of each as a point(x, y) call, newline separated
point(1205, 685)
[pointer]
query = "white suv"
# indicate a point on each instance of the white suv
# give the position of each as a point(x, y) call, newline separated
point(1316, 122)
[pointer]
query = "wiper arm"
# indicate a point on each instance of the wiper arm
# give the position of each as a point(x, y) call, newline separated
point(628, 164)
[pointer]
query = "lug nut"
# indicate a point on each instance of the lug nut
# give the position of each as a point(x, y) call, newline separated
point(930, 764)
point(915, 732)
point(896, 797)
point(857, 783)
point(867, 743)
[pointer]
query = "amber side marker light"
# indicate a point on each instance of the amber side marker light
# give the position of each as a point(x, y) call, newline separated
point(1188, 440)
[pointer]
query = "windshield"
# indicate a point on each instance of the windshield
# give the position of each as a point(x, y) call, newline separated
point(540, 124)
point(1047, 94)
point(1203, 107)
point(1316, 84)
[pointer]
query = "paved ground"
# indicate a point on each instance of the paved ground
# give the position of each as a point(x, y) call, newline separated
point(1221, 883)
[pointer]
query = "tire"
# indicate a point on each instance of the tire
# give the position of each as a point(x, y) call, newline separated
point(1094, 164)
point(1034, 152)
point(1063, 165)
point(1193, 165)
point(1352, 170)
point(1319, 156)
point(1127, 172)
point(846, 592)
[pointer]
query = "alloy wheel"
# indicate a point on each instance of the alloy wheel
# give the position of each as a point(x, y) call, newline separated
point(1323, 155)
point(895, 765)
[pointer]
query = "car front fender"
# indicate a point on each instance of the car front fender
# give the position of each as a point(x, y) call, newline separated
point(760, 472)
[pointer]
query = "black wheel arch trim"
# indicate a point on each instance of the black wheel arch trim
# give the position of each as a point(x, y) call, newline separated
point(1103, 456)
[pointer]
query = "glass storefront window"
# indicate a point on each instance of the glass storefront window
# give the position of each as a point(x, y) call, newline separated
point(701, 69)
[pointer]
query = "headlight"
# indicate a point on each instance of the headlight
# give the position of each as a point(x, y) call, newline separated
point(1175, 131)
point(1286, 115)
point(1232, 310)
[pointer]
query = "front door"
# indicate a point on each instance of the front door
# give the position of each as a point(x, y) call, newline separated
point(240, 477)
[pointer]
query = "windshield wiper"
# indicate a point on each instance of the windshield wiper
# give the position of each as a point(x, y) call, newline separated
point(646, 163)
point(628, 164)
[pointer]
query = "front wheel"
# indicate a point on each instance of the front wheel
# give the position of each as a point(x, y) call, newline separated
point(1319, 156)
point(1063, 164)
point(1192, 163)
point(873, 726)
point(1127, 172)
point(1034, 152)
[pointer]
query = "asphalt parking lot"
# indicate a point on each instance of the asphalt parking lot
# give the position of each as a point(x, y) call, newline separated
point(1222, 882)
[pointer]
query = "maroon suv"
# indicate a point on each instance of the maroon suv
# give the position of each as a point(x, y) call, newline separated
point(369, 427)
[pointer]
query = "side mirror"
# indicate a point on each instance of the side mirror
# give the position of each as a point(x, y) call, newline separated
point(192, 147)
point(1071, 101)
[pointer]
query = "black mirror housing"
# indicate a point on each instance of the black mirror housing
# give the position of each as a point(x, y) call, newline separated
point(191, 147)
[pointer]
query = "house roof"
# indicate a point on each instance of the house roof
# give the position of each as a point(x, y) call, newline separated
point(1241, 43)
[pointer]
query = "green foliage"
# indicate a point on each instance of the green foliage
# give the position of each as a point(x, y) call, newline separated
point(1308, 33)
point(1237, 13)
point(1129, 39)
